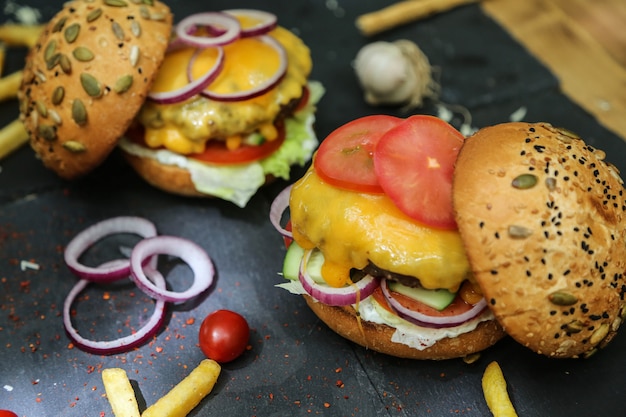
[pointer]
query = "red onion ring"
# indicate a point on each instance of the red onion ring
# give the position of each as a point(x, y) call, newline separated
point(228, 26)
point(123, 344)
point(192, 254)
point(266, 21)
point(110, 271)
point(343, 296)
point(194, 87)
point(279, 205)
point(424, 320)
point(262, 88)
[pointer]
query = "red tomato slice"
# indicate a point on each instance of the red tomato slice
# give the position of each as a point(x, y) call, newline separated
point(345, 158)
point(414, 163)
point(458, 306)
point(216, 151)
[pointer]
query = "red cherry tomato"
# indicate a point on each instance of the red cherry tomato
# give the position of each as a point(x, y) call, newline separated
point(224, 335)
point(7, 413)
point(344, 158)
point(414, 163)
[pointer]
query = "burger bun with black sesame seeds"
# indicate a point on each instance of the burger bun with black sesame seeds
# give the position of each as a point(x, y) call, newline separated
point(88, 76)
point(542, 218)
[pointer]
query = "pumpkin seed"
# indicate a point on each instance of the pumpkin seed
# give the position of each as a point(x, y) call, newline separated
point(599, 334)
point(57, 95)
point(53, 61)
point(94, 15)
point(79, 112)
point(41, 108)
point(56, 118)
point(71, 32)
point(49, 51)
point(562, 298)
point(574, 326)
point(134, 55)
point(65, 64)
point(91, 85)
point(116, 3)
point(74, 146)
point(41, 76)
point(144, 12)
point(58, 26)
point(83, 54)
point(135, 28)
point(123, 84)
point(157, 16)
point(118, 31)
point(47, 132)
point(519, 232)
point(524, 181)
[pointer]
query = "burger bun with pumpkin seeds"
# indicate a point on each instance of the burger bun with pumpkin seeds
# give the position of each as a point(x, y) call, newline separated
point(87, 77)
point(542, 218)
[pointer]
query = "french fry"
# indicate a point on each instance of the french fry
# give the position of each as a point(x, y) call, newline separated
point(120, 393)
point(496, 395)
point(20, 35)
point(403, 12)
point(12, 136)
point(188, 393)
point(10, 84)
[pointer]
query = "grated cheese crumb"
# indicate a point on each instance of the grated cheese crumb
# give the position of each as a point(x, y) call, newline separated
point(24, 265)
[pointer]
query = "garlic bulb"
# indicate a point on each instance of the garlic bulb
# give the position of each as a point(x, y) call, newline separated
point(393, 73)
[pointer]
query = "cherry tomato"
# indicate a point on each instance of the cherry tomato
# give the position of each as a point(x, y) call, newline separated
point(345, 157)
point(414, 163)
point(7, 413)
point(458, 306)
point(224, 335)
point(217, 153)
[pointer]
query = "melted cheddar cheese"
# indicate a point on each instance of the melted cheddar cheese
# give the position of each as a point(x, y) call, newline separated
point(352, 229)
point(185, 127)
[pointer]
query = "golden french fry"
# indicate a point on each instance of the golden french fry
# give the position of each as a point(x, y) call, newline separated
point(403, 12)
point(186, 395)
point(12, 136)
point(496, 395)
point(14, 34)
point(120, 393)
point(10, 84)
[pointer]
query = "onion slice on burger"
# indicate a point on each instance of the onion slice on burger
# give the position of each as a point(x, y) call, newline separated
point(278, 208)
point(194, 87)
point(424, 320)
point(110, 271)
point(262, 87)
point(333, 296)
point(265, 21)
point(192, 254)
point(225, 27)
point(122, 344)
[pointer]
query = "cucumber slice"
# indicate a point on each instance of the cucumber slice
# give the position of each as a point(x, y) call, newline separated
point(293, 258)
point(438, 299)
point(291, 264)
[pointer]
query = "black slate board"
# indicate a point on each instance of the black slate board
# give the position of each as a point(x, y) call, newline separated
point(296, 366)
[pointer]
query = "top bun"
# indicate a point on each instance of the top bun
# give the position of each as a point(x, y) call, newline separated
point(542, 219)
point(87, 77)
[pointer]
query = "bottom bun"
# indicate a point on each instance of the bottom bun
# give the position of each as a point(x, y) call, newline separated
point(343, 321)
point(169, 178)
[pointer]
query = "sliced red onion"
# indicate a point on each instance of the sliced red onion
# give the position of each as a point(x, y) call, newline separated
point(262, 88)
point(266, 21)
point(195, 86)
point(333, 296)
point(226, 28)
point(122, 344)
point(278, 208)
point(110, 271)
point(197, 259)
point(424, 320)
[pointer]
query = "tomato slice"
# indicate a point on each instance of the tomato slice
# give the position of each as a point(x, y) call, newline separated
point(216, 151)
point(345, 157)
point(414, 163)
point(458, 306)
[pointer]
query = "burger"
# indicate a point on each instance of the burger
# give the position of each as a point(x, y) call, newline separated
point(436, 246)
point(216, 105)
